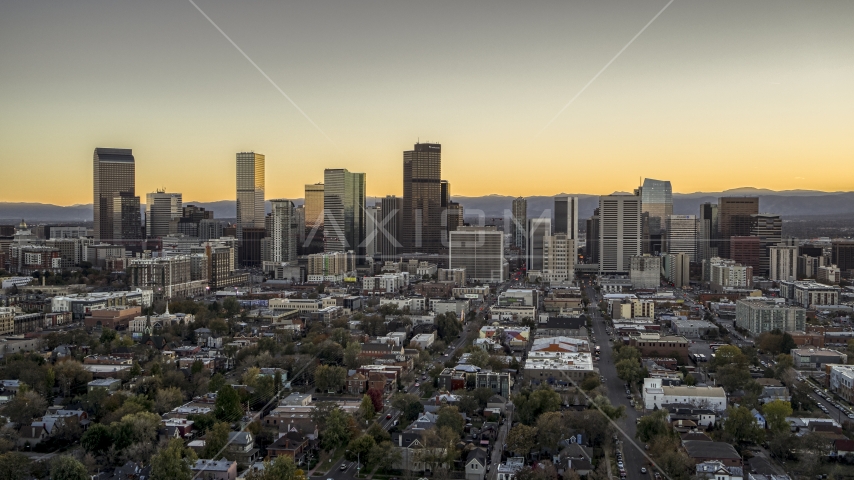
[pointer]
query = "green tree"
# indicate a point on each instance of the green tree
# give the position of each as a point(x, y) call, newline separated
point(522, 439)
point(338, 430)
point(384, 456)
point(97, 439)
point(604, 405)
point(775, 416)
point(167, 398)
point(550, 430)
point(15, 466)
point(24, 407)
point(280, 468)
point(227, 407)
point(450, 417)
point(629, 370)
point(479, 357)
point(329, 378)
point(378, 433)
point(783, 366)
point(366, 408)
point(216, 439)
point(174, 462)
point(216, 382)
point(591, 381)
point(741, 425)
point(532, 404)
point(787, 343)
point(409, 404)
point(653, 425)
point(360, 448)
point(230, 306)
point(66, 467)
point(352, 355)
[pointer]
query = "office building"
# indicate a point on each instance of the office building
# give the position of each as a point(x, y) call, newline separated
point(682, 235)
point(210, 229)
point(250, 192)
point(299, 214)
point(809, 293)
point(422, 191)
point(65, 232)
point(828, 275)
point(746, 251)
point(282, 231)
point(167, 277)
point(344, 211)
point(645, 272)
point(707, 232)
point(769, 228)
point(657, 199)
point(389, 228)
point(519, 222)
point(842, 254)
point(783, 262)
point(161, 209)
point(591, 248)
point(113, 174)
point(723, 273)
point(759, 314)
point(538, 229)
point(677, 267)
point(734, 220)
point(559, 258)
point(250, 247)
point(619, 231)
point(372, 217)
point(454, 216)
point(566, 216)
point(480, 251)
point(127, 224)
point(330, 266)
point(314, 195)
point(808, 266)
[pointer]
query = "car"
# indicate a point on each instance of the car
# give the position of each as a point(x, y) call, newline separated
point(620, 464)
point(643, 469)
point(629, 396)
point(343, 467)
point(417, 384)
point(388, 416)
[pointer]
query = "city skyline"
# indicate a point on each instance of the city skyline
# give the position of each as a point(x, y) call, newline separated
point(742, 87)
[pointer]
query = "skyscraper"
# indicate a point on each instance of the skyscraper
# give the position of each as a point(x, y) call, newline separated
point(113, 173)
point(538, 229)
point(282, 231)
point(769, 228)
point(519, 222)
point(682, 235)
point(734, 221)
point(619, 231)
point(657, 201)
point(592, 248)
point(126, 222)
point(250, 191)
point(480, 250)
point(373, 215)
point(566, 216)
point(160, 209)
point(422, 198)
point(344, 212)
point(389, 227)
point(314, 207)
point(707, 232)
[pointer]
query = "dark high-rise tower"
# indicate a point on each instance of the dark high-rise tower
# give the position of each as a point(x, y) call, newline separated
point(114, 174)
point(566, 216)
point(422, 198)
point(734, 220)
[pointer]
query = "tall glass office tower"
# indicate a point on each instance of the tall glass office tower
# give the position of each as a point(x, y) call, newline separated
point(344, 211)
point(657, 201)
point(250, 191)
point(422, 198)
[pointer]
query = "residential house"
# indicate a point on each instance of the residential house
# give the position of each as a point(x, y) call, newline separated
point(703, 451)
point(476, 464)
point(292, 444)
point(716, 470)
point(357, 384)
point(241, 445)
point(206, 469)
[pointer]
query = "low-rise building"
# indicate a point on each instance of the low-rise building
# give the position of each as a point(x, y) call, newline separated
point(841, 381)
point(575, 327)
point(215, 469)
point(423, 340)
point(816, 358)
point(657, 345)
point(809, 293)
point(557, 367)
point(655, 394)
point(694, 328)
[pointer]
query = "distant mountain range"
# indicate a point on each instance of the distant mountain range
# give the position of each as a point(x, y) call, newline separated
point(787, 203)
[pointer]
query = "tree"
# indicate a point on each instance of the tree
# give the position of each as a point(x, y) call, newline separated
point(281, 468)
point(174, 462)
point(71, 376)
point(522, 439)
point(408, 404)
point(217, 382)
point(230, 306)
point(216, 440)
point(66, 467)
point(366, 408)
point(250, 378)
point(741, 425)
point(97, 439)
point(167, 398)
point(783, 366)
point(227, 407)
point(352, 353)
point(360, 447)
point(479, 358)
point(15, 466)
point(629, 370)
point(25, 407)
point(602, 403)
point(550, 430)
point(532, 404)
point(775, 416)
point(450, 417)
point(329, 378)
point(591, 381)
point(653, 425)
point(338, 430)
point(787, 343)
point(378, 432)
point(384, 456)
point(376, 398)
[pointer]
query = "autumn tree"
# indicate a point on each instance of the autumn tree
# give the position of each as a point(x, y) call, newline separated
point(174, 462)
point(66, 467)
point(522, 439)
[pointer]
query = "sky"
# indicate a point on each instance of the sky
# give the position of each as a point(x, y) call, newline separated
point(712, 95)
